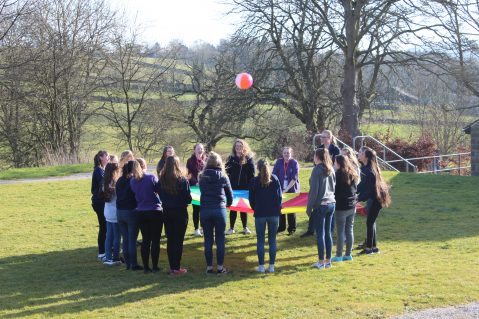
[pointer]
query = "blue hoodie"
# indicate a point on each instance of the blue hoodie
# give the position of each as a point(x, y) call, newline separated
point(215, 189)
point(265, 201)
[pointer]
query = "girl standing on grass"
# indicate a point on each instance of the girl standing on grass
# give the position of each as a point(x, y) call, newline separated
point(374, 190)
point(265, 200)
point(174, 191)
point(112, 241)
point(353, 160)
point(321, 204)
point(216, 195)
point(127, 219)
point(150, 215)
point(168, 150)
point(345, 195)
point(194, 165)
point(97, 202)
point(240, 169)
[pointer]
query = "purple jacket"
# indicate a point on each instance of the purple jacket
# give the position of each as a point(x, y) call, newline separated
point(146, 198)
point(292, 173)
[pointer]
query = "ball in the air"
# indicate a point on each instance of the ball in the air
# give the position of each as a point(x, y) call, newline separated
point(244, 81)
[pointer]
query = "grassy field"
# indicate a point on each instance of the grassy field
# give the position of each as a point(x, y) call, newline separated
point(429, 242)
point(45, 171)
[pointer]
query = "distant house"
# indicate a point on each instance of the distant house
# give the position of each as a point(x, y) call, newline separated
point(473, 130)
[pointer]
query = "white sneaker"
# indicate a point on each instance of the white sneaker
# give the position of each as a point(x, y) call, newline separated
point(318, 265)
point(271, 268)
point(230, 231)
point(246, 231)
point(260, 268)
point(197, 233)
point(100, 257)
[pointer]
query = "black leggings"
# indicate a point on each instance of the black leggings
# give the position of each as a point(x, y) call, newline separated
point(176, 221)
point(234, 214)
point(196, 216)
point(99, 209)
point(373, 208)
point(151, 226)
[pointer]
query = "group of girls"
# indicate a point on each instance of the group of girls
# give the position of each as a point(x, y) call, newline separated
point(127, 199)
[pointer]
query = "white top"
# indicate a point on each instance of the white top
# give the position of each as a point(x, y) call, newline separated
point(110, 210)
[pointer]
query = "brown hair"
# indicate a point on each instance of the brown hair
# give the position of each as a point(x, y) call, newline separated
point(165, 149)
point(97, 160)
point(214, 161)
point(142, 162)
point(137, 171)
point(112, 173)
point(124, 157)
point(264, 172)
point(346, 171)
point(323, 155)
point(382, 188)
point(171, 174)
point(246, 150)
point(351, 156)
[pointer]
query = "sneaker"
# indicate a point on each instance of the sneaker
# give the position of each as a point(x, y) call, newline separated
point(197, 233)
point(347, 258)
point(260, 269)
point(117, 262)
point(376, 251)
point(327, 265)
point(318, 265)
point(366, 252)
point(361, 246)
point(178, 272)
point(230, 231)
point(209, 271)
point(291, 233)
point(307, 234)
point(271, 268)
point(100, 257)
point(337, 259)
point(246, 231)
point(109, 262)
point(222, 271)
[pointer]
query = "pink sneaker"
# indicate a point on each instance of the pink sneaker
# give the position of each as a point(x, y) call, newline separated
point(178, 272)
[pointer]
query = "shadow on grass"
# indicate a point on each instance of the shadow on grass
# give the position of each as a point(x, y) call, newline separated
point(70, 281)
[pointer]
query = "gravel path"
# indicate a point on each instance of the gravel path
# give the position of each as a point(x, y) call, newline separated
point(73, 177)
point(470, 311)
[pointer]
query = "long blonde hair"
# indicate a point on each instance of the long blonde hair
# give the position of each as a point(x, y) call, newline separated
point(137, 171)
point(351, 156)
point(125, 157)
point(382, 188)
point(264, 172)
point(246, 150)
point(346, 171)
point(323, 155)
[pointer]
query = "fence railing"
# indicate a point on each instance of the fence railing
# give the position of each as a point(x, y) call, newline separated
point(438, 160)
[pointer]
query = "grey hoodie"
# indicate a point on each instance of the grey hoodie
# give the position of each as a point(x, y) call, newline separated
point(321, 188)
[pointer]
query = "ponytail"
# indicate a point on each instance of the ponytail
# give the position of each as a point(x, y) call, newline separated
point(264, 172)
point(97, 160)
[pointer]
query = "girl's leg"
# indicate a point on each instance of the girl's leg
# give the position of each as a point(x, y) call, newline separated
point(272, 226)
point(260, 223)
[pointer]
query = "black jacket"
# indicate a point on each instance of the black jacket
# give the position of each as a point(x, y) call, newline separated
point(345, 194)
point(179, 200)
point(215, 189)
point(367, 185)
point(240, 175)
point(125, 198)
point(96, 187)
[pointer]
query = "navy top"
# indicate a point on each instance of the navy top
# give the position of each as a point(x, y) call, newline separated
point(367, 185)
point(96, 181)
point(215, 189)
point(333, 151)
point(265, 201)
point(144, 189)
point(291, 173)
point(179, 200)
point(240, 174)
point(125, 198)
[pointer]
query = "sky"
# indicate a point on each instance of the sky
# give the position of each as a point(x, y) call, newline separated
point(186, 20)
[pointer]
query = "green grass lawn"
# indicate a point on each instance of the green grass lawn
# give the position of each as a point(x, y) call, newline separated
point(45, 171)
point(429, 242)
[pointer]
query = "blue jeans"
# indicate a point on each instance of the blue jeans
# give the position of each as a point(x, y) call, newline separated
point(260, 223)
point(214, 225)
point(128, 222)
point(322, 224)
point(112, 241)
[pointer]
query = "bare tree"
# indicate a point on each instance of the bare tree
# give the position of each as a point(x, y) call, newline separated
point(132, 84)
point(305, 68)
